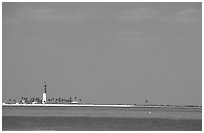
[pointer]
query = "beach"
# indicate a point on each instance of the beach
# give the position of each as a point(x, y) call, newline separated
point(100, 119)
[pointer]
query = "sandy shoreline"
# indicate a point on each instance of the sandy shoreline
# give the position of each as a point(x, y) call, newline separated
point(99, 105)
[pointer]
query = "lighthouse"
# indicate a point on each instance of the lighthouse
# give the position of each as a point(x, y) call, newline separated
point(44, 98)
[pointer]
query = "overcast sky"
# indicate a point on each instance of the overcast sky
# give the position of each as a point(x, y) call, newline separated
point(104, 52)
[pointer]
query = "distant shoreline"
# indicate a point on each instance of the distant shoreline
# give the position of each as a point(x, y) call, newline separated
point(100, 105)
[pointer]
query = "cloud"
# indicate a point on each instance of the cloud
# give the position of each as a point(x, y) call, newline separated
point(187, 12)
point(187, 16)
point(47, 14)
point(43, 14)
point(137, 14)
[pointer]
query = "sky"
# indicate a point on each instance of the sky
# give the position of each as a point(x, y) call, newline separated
point(105, 53)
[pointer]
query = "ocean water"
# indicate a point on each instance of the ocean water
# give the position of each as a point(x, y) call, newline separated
point(101, 119)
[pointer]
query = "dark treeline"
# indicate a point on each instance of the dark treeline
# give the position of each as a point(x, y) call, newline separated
point(37, 100)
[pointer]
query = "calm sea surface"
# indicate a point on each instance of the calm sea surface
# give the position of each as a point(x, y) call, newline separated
point(100, 118)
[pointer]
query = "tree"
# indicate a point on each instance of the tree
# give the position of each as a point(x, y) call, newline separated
point(22, 99)
point(26, 99)
point(70, 99)
point(9, 100)
point(38, 100)
point(32, 99)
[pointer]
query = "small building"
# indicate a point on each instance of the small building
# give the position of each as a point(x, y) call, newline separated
point(74, 102)
point(34, 102)
point(23, 101)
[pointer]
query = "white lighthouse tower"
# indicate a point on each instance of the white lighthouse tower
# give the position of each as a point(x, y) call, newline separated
point(44, 98)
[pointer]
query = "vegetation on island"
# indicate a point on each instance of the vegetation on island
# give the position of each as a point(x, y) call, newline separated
point(37, 100)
